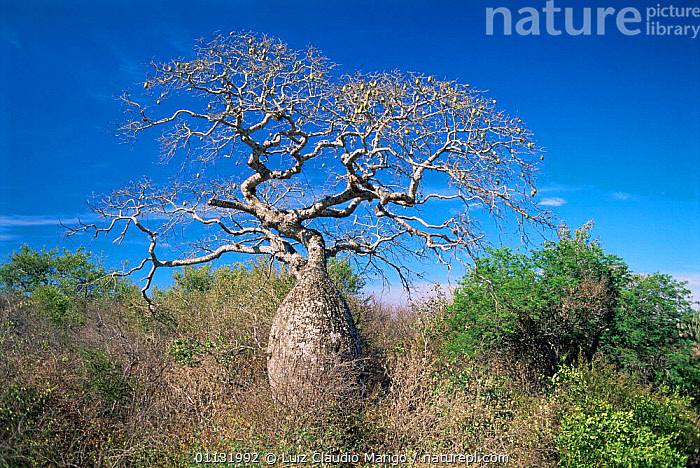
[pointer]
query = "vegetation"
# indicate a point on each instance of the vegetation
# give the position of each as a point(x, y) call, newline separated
point(561, 357)
point(570, 300)
point(312, 164)
point(58, 283)
point(609, 420)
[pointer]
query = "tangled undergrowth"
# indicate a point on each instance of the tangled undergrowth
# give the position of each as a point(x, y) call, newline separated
point(106, 384)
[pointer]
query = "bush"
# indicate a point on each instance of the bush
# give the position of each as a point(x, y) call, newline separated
point(59, 283)
point(236, 303)
point(644, 338)
point(611, 421)
point(543, 309)
point(51, 303)
point(194, 279)
point(232, 304)
point(72, 274)
point(123, 389)
point(82, 396)
point(570, 299)
point(105, 377)
point(348, 282)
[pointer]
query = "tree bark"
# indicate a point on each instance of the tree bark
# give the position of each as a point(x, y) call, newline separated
point(313, 348)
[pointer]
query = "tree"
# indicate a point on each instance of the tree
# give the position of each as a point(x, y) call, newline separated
point(56, 280)
point(644, 336)
point(72, 274)
point(348, 282)
point(286, 158)
point(544, 309)
point(26, 270)
point(571, 299)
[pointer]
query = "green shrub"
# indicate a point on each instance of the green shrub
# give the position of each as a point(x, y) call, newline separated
point(72, 274)
point(570, 299)
point(191, 279)
point(105, 377)
point(59, 283)
point(234, 302)
point(348, 282)
point(544, 309)
point(49, 301)
point(189, 351)
point(611, 421)
point(603, 436)
point(644, 339)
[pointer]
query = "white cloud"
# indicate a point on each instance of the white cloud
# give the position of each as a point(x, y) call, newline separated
point(553, 201)
point(32, 220)
point(557, 187)
point(622, 196)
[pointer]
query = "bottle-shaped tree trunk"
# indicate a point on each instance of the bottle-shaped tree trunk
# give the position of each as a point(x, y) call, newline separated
point(314, 347)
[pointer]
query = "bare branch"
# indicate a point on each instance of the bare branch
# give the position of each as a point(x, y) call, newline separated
point(378, 164)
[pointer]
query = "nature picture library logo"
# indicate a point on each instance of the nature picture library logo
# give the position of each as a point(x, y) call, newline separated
point(553, 20)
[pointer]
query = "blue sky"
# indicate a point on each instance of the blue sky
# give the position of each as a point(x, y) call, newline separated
point(618, 115)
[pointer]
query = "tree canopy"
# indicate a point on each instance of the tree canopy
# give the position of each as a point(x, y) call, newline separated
point(73, 274)
point(568, 300)
point(280, 154)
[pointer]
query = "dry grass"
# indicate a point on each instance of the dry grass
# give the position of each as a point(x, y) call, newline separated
point(433, 406)
point(120, 390)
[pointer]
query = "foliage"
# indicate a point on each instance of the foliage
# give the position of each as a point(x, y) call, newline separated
point(234, 301)
point(51, 302)
point(571, 299)
point(545, 308)
point(78, 396)
point(644, 338)
point(192, 279)
point(26, 270)
point(125, 390)
point(348, 282)
point(106, 377)
point(610, 421)
point(254, 290)
point(23, 422)
point(58, 282)
point(690, 326)
point(72, 274)
point(189, 351)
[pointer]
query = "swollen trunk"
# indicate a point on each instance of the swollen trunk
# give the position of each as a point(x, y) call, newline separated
point(313, 347)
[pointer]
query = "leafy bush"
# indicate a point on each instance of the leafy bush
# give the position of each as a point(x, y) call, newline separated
point(545, 309)
point(105, 376)
point(51, 302)
point(233, 303)
point(189, 351)
point(237, 302)
point(570, 299)
point(192, 279)
point(644, 338)
point(72, 274)
point(59, 283)
point(348, 282)
point(610, 421)
point(126, 390)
